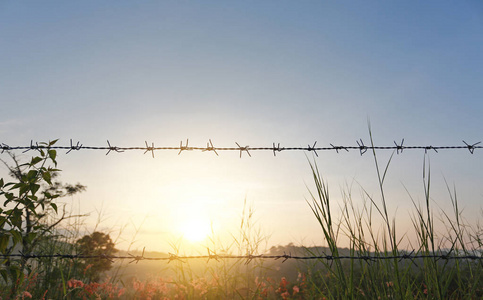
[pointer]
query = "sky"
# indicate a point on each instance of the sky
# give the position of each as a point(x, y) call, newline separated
point(247, 72)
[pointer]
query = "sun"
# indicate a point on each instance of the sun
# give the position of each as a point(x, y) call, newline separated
point(195, 230)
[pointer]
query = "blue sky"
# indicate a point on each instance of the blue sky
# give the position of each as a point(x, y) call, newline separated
point(252, 72)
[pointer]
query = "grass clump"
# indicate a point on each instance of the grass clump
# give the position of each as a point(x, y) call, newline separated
point(382, 268)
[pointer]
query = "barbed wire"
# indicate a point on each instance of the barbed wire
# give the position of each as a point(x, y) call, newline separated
point(361, 147)
point(247, 258)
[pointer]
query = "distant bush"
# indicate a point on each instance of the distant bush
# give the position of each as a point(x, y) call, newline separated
point(96, 244)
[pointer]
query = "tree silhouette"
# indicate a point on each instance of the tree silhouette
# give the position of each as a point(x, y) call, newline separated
point(96, 244)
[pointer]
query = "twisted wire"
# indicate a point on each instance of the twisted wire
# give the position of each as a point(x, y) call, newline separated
point(361, 147)
point(247, 258)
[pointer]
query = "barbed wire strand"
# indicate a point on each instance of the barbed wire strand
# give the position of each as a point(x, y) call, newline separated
point(248, 258)
point(361, 147)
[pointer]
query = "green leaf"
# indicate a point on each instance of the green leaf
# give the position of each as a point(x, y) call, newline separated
point(16, 218)
point(4, 242)
point(30, 205)
point(34, 188)
point(31, 175)
point(52, 154)
point(4, 274)
point(16, 235)
point(23, 189)
point(15, 186)
point(1, 182)
point(35, 160)
point(8, 184)
point(47, 177)
point(51, 143)
point(9, 197)
point(31, 236)
point(54, 206)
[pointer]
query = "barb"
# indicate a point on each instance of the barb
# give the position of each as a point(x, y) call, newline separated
point(471, 148)
point(113, 148)
point(149, 148)
point(243, 149)
point(72, 147)
point(406, 256)
point(399, 147)
point(362, 147)
point(337, 148)
point(277, 149)
point(32, 146)
point(212, 255)
point(5, 147)
point(137, 258)
point(274, 148)
point(183, 148)
point(284, 256)
point(175, 257)
point(429, 148)
point(313, 149)
point(368, 259)
point(210, 147)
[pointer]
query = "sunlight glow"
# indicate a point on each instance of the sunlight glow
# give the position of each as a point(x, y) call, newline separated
point(196, 230)
point(193, 220)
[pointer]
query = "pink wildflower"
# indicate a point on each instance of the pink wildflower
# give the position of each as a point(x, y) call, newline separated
point(26, 294)
point(74, 283)
point(91, 288)
point(425, 291)
point(283, 282)
point(121, 292)
point(285, 295)
point(283, 286)
point(264, 293)
point(87, 268)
